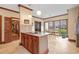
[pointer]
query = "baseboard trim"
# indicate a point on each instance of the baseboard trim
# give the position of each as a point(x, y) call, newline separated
point(2, 42)
point(72, 40)
point(45, 52)
point(20, 43)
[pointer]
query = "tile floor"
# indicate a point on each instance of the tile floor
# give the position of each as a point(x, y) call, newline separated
point(56, 45)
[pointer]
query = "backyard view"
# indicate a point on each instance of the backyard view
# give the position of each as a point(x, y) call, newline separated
point(63, 32)
point(58, 27)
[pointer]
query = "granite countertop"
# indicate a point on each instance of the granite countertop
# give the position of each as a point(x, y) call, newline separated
point(39, 34)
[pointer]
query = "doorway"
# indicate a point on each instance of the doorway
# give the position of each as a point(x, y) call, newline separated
point(37, 26)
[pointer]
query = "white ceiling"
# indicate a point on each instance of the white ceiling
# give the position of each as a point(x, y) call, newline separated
point(47, 10)
point(10, 6)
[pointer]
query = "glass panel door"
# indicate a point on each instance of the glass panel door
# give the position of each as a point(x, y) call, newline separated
point(57, 26)
point(63, 28)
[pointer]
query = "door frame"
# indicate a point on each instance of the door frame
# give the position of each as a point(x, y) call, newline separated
point(39, 25)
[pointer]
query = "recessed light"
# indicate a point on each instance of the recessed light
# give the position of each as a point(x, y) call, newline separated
point(30, 16)
point(38, 12)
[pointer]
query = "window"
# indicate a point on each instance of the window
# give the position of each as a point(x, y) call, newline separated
point(63, 24)
point(59, 27)
point(51, 26)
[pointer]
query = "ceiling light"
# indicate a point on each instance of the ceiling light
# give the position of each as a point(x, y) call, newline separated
point(38, 12)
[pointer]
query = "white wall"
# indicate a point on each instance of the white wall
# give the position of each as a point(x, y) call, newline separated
point(46, 26)
point(72, 20)
point(24, 15)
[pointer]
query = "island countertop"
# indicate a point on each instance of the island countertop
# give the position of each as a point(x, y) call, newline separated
point(35, 42)
point(39, 34)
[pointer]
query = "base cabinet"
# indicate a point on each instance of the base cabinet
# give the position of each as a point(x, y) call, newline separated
point(26, 42)
point(23, 39)
point(31, 43)
point(35, 45)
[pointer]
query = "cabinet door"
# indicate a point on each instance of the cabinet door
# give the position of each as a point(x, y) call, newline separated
point(30, 45)
point(22, 39)
point(35, 45)
point(26, 41)
point(7, 29)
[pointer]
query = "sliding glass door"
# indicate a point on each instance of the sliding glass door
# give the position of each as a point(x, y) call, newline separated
point(63, 28)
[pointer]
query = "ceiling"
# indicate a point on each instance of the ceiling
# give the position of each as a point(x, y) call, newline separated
point(47, 10)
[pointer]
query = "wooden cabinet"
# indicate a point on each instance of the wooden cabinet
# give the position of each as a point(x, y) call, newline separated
point(23, 39)
point(26, 41)
point(7, 29)
point(35, 44)
point(31, 43)
point(11, 29)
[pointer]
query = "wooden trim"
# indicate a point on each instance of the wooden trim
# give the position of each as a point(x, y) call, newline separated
point(7, 33)
point(37, 17)
point(2, 42)
point(0, 28)
point(9, 9)
point(72, 40)
point(24, 7)
point(15, 18)
point(56, 16)
point(50, 17)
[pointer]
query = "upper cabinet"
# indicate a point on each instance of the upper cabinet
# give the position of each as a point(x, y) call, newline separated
point(25, 15)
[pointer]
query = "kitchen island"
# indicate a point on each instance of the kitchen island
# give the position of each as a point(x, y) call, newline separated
point(35, 42)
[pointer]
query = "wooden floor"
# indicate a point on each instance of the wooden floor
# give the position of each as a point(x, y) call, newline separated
point(13, 48)
point(9, 48)
point(58, 45)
